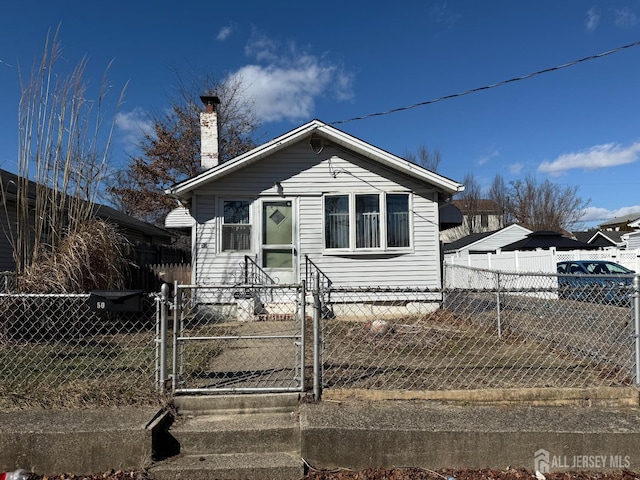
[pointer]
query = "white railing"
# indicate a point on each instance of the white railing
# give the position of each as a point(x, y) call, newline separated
point(368, 230)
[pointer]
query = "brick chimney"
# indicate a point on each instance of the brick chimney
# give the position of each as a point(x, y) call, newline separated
point(209, 133)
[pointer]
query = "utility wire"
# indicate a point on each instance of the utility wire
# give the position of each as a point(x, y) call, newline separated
point(487, 87)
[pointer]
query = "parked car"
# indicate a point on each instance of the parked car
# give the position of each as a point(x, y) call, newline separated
point(595, 281)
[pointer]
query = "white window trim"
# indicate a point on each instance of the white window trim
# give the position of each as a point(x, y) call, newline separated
point(221, 224)
point(352, 250)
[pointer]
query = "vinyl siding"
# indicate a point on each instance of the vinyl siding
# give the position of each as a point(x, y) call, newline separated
point(305, 177)
point(633, 243)
point(502, 238)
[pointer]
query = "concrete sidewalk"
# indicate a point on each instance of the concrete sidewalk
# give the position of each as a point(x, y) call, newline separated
point(566, 430)
point(439, 435)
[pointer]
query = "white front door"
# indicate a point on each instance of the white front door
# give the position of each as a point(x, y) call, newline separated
point(278, 252)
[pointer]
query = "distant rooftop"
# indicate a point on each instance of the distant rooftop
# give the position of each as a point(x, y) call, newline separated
point(623, 220)
point(478, 206)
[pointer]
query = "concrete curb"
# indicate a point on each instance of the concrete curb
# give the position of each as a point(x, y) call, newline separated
point(596, 396)
point(355, 429)
point(78, 441)
point(437, 435)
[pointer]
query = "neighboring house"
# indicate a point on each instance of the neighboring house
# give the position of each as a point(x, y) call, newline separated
point(148, 241)
point(626, 223)
point(480, 216)
point(633, 240)
point(314, 197)
point(544, 240)
point(487, 241)
point(584, 235)
point(609, 239)
point(603, 239)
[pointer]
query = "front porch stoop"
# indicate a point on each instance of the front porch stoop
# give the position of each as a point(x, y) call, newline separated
point(233, 437)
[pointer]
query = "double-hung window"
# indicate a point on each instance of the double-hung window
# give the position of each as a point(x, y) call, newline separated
point(236, 225)
point(366, 221)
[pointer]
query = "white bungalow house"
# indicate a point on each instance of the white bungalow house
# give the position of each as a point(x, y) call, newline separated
point(313, 198)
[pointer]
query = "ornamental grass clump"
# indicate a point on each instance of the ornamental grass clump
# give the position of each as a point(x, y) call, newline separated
point(93, 257)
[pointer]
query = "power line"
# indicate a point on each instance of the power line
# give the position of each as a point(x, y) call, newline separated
point(488, 87)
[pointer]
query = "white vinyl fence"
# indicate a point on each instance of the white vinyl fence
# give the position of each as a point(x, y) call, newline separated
point(540, 261)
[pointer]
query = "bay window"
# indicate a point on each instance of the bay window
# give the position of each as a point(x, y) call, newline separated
point(367, 221)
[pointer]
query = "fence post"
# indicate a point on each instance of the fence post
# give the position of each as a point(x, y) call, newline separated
point(636, 325)
point(303, 312)
point(499, 319)
point(164, 300)
point(317, 308)
point(177, 307)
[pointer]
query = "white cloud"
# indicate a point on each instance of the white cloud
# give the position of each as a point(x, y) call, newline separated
point(485, 158)
point(625, 18)
point(224, 33)
point(598, 156)
point(442, 14)
point(600, 215)
point(262, 48)
point(515, 168)
point(593, 19)
point(132, 126)
point(285, 85)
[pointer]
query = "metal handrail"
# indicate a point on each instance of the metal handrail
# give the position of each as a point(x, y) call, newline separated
point(311, 271)
point(254, 274)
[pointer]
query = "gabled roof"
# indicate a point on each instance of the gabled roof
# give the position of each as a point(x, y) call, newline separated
point(623, 220)
point(545, 239)
point(585, 235)
point(614, 237)
point(112, 215)
point(327, 132)
point(476, 239)
point(467, 240)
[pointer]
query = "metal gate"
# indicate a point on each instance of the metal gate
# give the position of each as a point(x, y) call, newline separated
point(242, 338)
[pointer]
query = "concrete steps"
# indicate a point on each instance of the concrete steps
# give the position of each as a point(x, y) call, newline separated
point(234, 436)
point(255, 466)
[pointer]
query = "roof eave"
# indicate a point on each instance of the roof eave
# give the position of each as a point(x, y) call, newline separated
point(367, 150)
point(183, 190)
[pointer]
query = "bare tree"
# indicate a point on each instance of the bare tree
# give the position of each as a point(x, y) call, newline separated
point(62, 153)
point(171, 151)
point(470, 198)
point(499, 194)
point(546, 205)
point(425, 158)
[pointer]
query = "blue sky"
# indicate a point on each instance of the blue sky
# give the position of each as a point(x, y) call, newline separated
point(577, 126)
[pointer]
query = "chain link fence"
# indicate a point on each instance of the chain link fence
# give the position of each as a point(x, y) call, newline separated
point(238, 339)
point(56, 351)
point(484, 330)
